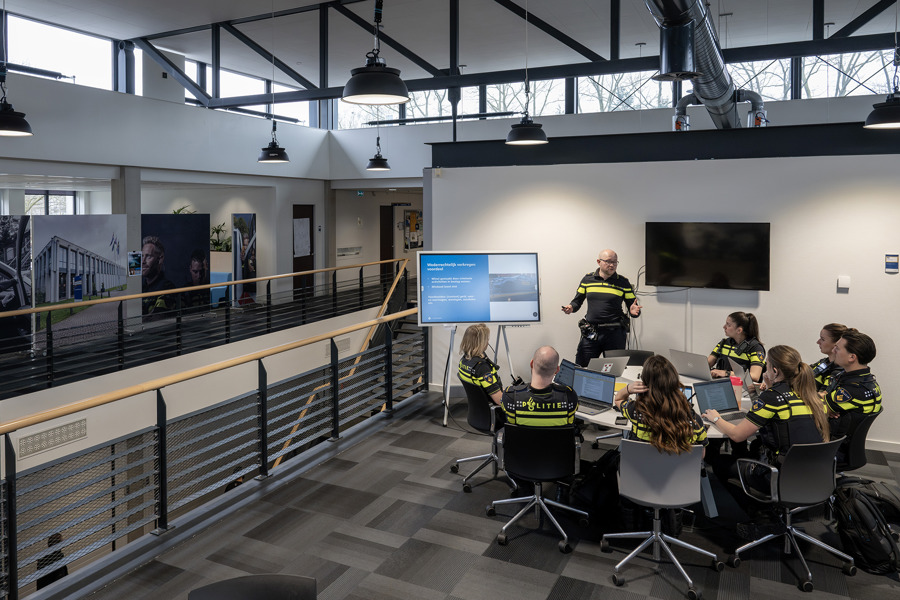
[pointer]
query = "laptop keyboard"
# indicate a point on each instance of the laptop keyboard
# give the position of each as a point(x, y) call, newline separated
point(734, 416)
point(594, 406)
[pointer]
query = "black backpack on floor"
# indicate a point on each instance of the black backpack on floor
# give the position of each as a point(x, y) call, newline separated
point(865, 534)
point(885, 496)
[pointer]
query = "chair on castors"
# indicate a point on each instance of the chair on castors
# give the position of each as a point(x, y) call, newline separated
point(484, 416)
point(636, 358)
point(658, 480)
point(258, 587)
point(539, 455)
point(804, 479)
point(852, 455)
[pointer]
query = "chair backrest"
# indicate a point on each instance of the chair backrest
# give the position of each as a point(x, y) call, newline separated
point(258, 587)
point(855, 447)
point(657, 479)
point(806, 475)
point(539, 453)
point(479, 415)
point(636, 358)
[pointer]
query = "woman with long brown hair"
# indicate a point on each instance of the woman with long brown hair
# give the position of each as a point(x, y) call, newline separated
point(659, 413)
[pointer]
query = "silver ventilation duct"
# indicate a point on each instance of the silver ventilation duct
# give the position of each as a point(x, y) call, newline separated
point(713, 86)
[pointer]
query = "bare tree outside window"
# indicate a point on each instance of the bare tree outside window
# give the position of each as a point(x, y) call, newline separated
point(622, 91)
point(851, 74)
point(770, 79)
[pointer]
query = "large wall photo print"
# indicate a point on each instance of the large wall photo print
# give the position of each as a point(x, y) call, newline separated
point(15, 282)
point(174, 254)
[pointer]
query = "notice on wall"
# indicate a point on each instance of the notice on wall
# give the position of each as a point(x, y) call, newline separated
point(301, 238)
point(134, 263)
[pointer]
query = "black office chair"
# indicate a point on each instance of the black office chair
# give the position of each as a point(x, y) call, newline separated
point(258, 587)
point(484, 416)
point(852, 454)
point(659, 480)
point(804, 479)
point(636, 358)
point(539, 455)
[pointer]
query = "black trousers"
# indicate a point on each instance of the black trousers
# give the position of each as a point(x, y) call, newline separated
point(608, 338)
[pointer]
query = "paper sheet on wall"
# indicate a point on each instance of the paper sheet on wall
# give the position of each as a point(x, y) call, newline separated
point(301, 237)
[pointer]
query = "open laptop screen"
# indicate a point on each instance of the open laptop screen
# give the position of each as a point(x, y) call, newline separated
point(717, 394)
point(566, 373)
point(594, 386)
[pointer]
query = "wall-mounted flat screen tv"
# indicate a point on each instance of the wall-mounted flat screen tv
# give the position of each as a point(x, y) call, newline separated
point(730, 256)
point(470, 287)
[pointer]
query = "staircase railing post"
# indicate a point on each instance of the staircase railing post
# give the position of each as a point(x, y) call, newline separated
point(120, 335)
point(269, 306)
point(263, 418)
point(334, 293)
point(335, 393)
point(388, 369)
point(49, 348)
point(162, 501)
point(360, 288)
point(12, 552)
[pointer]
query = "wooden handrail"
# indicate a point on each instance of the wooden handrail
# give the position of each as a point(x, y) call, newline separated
point(160, 382)
point(48, 308)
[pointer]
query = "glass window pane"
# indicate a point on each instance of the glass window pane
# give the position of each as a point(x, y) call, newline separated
point(234, 84)
point(771, 79)
point(138, 72)
point(355, 116)
point(86, 58)
point(61, 204)
point(548, 97)
point(505, 97)
point(429, 103)
point(297, 110)
point(34, 204)
point(851, 74)
point(468, 101)
point(622, 91)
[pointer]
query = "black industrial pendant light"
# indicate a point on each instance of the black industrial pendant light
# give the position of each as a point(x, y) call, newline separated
point(375, 83)
point(886, 115)
point(526, 132)
point(12, 122)
point(273, 153)
point(378, 162)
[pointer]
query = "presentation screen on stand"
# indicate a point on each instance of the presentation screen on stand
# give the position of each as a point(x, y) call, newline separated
point(478, 288)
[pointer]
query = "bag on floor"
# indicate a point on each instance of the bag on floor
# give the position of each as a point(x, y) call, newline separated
point(596, 490)
point(865, 534)
point(885, 496)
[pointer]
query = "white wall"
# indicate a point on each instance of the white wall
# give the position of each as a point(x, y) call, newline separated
point(829, 216)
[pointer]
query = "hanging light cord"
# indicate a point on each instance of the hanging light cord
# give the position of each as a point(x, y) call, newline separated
point(896, 60)
point(5, 58)
point(373, 55)
point(526, 59)
point(377, 132)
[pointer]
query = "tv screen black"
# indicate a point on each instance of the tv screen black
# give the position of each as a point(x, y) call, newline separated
point(730, 256)
point(478, 288)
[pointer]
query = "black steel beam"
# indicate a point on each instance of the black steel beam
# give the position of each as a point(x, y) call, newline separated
point(403, 50)
point(173, 70)
point(863, 19)
point(270, 57)
point(216, 58)
point(818, 20)
point(551, 30)
point(615, 27)
point(833, 139)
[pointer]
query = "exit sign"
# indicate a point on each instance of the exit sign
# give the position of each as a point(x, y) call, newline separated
point(360, 193)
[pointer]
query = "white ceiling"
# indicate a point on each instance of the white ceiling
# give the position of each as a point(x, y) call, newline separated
point(491, 37)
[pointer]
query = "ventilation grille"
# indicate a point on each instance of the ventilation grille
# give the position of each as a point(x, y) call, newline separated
point(52, 438)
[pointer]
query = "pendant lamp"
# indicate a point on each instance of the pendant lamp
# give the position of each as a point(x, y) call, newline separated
point(375, 83)
point(886, 115)
point(273, 153)
point(378, 162)
point(12, 122)
point(526, 132)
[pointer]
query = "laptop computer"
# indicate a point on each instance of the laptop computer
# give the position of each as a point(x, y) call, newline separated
point(614, 365)
point(566, 373)
point(595, 391)
point(689, 364)
point(746, 380)
point(718, 394)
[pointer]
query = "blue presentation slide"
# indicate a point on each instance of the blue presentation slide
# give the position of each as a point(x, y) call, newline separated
point(474, 288)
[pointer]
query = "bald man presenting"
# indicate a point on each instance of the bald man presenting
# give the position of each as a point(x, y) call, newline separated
point(605, 327)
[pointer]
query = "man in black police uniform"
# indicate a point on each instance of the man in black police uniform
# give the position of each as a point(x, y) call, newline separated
point(605, 327)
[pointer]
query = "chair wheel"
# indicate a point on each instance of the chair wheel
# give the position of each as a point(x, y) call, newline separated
point(618, 580)
point(806, 586)
point(501, 539)
point(718, 565)
point(490, 511)
point(604, 546)
point(454, 468)
point(467, 488)
point(584, 523)
point(693, 594)
point(849, 569)
point(734, 561)
point(564, 547)
point(595, 445)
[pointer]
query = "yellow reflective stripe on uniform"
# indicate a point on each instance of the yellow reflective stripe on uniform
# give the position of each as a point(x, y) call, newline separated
point(605, 289)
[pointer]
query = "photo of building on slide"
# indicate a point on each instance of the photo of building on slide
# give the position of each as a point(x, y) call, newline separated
point(514, 287)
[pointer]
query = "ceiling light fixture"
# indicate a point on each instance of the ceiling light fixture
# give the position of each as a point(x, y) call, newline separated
point(12, 122)
point(375, 83)
point(526, 132)
point(886, 115)
point(378, 162)
point(273, 153)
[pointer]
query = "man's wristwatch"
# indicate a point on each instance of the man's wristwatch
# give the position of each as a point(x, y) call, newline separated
point(716, 420)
